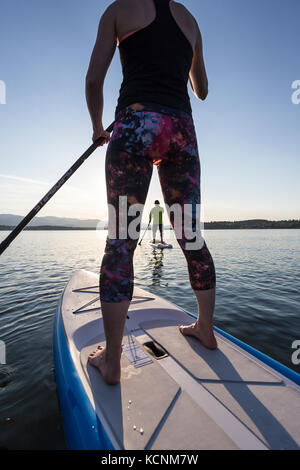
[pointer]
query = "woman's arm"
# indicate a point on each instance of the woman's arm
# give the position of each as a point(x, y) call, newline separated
point(197, 76)
point(101, 58)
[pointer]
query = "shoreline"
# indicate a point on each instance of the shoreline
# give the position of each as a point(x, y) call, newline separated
point(4, 228)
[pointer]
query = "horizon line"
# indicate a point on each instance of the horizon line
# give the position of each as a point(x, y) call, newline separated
point(106, 221)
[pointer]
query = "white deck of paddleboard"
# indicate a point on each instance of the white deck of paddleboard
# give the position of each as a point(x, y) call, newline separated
point(193, 398)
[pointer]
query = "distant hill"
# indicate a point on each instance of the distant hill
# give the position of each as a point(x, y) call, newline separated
point(9, 221)
point(13, 220)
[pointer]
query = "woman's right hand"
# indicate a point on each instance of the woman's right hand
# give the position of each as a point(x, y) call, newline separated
point(101, 133)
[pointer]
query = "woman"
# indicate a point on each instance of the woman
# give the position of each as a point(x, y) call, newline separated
point(160, 48)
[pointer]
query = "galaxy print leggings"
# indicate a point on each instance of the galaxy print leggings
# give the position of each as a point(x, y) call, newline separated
point(144, 135)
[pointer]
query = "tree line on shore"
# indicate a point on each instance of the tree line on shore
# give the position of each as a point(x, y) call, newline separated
point(222, 225)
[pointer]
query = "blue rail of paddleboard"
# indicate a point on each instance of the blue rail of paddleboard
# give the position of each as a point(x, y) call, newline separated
point(82, 427)
point(284, 370)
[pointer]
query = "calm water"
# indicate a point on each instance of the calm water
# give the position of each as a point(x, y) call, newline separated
point(258, 275)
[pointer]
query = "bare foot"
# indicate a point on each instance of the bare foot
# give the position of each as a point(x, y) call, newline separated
point(204, 333)
point(110, 370)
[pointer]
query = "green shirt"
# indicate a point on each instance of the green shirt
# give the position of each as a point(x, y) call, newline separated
point(157, 214)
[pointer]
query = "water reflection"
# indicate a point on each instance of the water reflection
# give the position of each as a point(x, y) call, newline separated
point(156, 264)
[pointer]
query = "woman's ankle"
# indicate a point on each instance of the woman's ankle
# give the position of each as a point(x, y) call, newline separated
point(204, 322)
point(113, 353)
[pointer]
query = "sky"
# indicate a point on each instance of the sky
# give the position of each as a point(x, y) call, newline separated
point(247, 128)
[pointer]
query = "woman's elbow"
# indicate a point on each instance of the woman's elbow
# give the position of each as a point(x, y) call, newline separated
point(203, 94)
point(93, 81)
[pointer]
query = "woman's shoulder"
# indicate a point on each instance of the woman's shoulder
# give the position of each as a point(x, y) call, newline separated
point(135, 14)
point(184, 12)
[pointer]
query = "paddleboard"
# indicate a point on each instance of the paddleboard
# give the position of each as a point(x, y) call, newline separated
point(161, 245)
point(174, 393)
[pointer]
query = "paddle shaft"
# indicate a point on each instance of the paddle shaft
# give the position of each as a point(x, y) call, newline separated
point(15, 232)
point(144, 234)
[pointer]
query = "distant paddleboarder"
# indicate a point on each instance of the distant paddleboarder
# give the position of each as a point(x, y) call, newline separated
point(156, 217)
point(160, 49)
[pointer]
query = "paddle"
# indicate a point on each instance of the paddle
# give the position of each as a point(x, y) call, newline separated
point(140, 242)
point(7, 241)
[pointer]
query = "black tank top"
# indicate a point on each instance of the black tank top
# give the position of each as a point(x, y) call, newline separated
point(156, 61)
